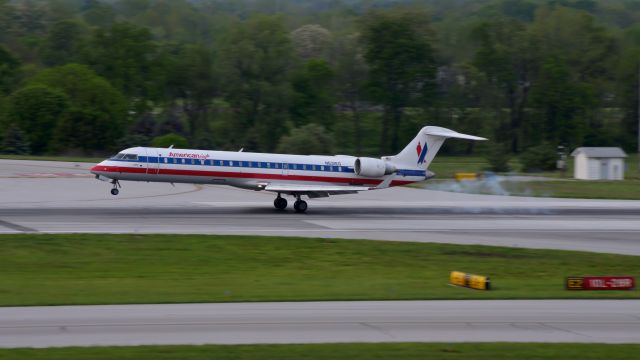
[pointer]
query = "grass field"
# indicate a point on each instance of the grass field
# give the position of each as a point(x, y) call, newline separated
point(112, 269)
point(399, 351)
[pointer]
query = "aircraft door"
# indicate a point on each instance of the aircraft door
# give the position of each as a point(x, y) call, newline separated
point(153, 162)
point(285, 169)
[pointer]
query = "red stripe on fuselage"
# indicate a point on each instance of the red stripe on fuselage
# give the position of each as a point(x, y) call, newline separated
point(241, 175)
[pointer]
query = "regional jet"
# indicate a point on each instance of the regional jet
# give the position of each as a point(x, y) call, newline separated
point(313, 176)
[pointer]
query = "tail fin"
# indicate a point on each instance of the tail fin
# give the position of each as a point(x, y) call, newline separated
point(423, 148)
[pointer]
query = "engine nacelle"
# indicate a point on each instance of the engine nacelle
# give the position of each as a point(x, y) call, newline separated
point(370, 167)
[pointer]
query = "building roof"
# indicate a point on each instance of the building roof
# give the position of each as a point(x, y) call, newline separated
point(600, 152)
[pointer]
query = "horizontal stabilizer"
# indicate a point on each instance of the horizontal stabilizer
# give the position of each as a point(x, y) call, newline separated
point(447, 133)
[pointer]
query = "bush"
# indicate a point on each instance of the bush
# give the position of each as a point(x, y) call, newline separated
point(539, 158)
point(498, 158)
point(15, 141)
point(167, 140)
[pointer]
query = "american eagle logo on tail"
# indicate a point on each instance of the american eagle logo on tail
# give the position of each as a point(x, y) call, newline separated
point(422, 152)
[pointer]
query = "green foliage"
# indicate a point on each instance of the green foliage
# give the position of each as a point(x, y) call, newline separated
point(97, 114)
point(133, 140)
point(9, 71)
point(168, 140)
point(123, 53)
point(402, 66)
point(539, 158)
point(63, 44)
point(498, 158)
point(313, 100)
point(36, 109)
point(519, 71)
point(256, 60)
point(15, 141)
point(310, 139)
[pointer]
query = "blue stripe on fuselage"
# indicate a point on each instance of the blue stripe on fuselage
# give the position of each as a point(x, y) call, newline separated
point(258, 165)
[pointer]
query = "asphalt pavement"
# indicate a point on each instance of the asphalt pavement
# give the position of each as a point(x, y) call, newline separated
point(580, 321)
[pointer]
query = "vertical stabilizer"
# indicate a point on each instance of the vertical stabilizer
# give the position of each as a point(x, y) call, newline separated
point(424, 147)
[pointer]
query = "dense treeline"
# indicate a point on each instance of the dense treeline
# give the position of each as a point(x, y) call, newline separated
point(346, 76)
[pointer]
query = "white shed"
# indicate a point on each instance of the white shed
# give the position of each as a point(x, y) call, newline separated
point(598, 163)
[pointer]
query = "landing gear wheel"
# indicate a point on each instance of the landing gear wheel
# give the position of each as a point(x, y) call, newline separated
point(280, 203)
point(300, 206)
point(116, 185)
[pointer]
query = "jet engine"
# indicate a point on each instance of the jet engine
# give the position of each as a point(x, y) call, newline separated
point(370, 167)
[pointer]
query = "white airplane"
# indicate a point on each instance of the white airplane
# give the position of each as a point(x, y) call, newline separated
point(313, 176)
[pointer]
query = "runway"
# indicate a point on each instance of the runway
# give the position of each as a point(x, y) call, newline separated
point(58, 197)
point(53, 197)
point(601, 321)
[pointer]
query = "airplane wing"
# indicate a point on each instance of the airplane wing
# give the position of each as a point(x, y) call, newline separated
point(316, 191)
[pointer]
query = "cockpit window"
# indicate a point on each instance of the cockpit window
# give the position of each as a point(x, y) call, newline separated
point(123, 156)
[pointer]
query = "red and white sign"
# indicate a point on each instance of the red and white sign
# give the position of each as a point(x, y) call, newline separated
point(601, 283)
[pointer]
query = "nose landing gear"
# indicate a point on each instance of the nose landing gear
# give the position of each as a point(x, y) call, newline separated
point(116, 185)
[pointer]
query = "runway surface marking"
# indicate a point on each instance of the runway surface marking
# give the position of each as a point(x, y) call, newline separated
point(16, 227)
point(591, 321)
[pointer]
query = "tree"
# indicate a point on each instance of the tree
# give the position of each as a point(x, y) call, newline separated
point(402, 66)
point(563, 103)
point(63, 43)
point(36, 109)
point(190, 78)
point(123, 53)
point(9, 71)
point(313, 94)
point(311, 41)
point(97, 115)
point(310, 139)
point(98, 13)
point(507, 57)
point(256, 59)
point(350, 80)
point(582, 52)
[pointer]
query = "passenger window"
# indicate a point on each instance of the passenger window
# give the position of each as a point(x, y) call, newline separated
point(165, 160)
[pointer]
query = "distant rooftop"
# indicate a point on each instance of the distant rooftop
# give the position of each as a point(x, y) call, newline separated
point(600, 152)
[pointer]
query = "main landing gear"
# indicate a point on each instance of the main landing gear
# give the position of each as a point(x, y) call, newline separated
point(280, 203)
point(299, 205)
point(116, 185)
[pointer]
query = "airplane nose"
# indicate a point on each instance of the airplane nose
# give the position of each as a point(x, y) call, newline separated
point(96, 169)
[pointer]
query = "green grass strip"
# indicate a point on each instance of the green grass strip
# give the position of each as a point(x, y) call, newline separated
point(396, 351)
point(43, 269)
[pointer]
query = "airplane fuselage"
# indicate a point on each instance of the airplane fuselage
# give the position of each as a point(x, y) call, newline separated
point(240, 169)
